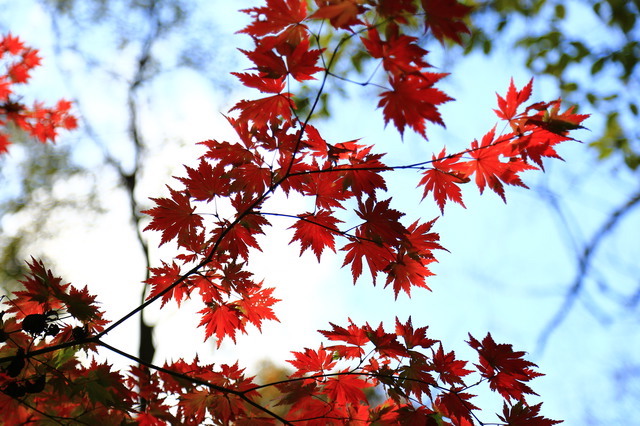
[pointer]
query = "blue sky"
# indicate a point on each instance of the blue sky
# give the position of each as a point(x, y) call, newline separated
point(509, 265)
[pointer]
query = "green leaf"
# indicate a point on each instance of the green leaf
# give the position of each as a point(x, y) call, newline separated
point(598, 65)
point(62, 356)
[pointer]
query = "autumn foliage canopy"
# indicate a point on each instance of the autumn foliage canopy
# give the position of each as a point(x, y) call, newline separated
point(214, 214)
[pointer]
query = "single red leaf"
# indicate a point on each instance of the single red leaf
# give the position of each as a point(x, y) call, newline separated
point(382, 224)
point(174, 217)
point(256, 305)
point(448, 367)
point(311, 361)
point(265, 110)
point(377, 255)
point(42, 291)
point(11, 44)
point(195, 404)
point(522, 414)
point(251, 178)
point(406, 272)
point(275, 16)
point(363, 174)
point(82, 306)
point(445, 19)
point(222, 320)
point(443, 180)
point(207, 181)
point(340, 13)
point(263, 84)
point(507, 107)
point(301, 63)
point(412, 101)
point(400, 54)
point(327, 189)
point(353, 335)
point(506, 370)
point(413, 337)
point(489, 170)
point(163, 277)
point(386, 344)
point(455, 405)
point(236, 239)
point(346, 389)
point(420, 241)
point(268, 62)
point(316, 231)
point(555, 122)
point(227, 154)
point(416, 377)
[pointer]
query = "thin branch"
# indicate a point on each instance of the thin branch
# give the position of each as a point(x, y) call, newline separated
point(195, 380)
point(584, 263)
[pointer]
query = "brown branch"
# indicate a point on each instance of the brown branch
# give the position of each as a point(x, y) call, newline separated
point(195, 380)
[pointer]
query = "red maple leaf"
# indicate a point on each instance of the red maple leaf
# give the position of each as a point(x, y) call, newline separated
point(382, 224)
point(11, 44)
point(195, 404)
point(362, 174)
point(327, 188)
point(443, 180)
point(236, 239)
point(353, 335)
point(386, 344)
point(448, 367)
point(489, 170)
point(555, 122)
point(412, 101)
point(377, 255)
point(506, 370)
point(251, 178)
point(316, 231)
point(163, 277)
point(4, 143)
point(400, 54)
point(206, 182)
point(413, 337)
point(42, 291)
point(311, 361)
point(268, 62)
point(5, 89)
point(421, 242)
point(82, 305)
point(174, 217)
point(445, 18)
point(507, 107)
point(346, 389)
point(525, 415)
point(256, 305)
point(301, 63)
point(265, 110)
point(406, 272)
point(222, 320)
point(341, 13)
point(263, 84)
point(231, 154)
point(275, 16)
point(455, 405)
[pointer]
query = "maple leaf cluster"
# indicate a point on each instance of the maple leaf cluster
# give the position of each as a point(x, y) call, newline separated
point(498, 159)
point(40, 122)
point(47, 313)
point(216, 216)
